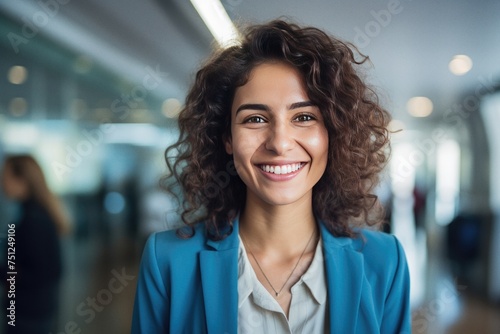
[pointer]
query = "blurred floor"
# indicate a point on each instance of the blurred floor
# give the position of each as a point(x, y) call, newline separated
point(95, 302)
point(99, 286)
point(448, 305)
point(465, 314)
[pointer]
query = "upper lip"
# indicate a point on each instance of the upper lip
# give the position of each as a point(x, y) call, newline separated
point(280, 162)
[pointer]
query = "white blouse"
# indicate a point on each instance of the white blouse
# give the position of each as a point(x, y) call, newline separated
point(259, 312)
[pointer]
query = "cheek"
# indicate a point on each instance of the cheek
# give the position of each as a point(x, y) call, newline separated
point(242, 155)
point(318, 143)
point(245, 144)
point(244, 147)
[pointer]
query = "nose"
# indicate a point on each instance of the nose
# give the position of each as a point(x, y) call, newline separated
point(280, 138)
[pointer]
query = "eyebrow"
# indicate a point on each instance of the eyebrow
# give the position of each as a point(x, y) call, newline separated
point(263, 107)
point(302, 104)
point(252, 106)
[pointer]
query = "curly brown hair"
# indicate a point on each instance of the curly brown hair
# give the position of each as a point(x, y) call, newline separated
point(356, 123)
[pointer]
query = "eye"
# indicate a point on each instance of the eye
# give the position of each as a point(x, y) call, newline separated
point(304, 118)
point(254, 119)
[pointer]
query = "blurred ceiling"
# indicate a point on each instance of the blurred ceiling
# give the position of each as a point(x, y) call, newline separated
point(410, 43)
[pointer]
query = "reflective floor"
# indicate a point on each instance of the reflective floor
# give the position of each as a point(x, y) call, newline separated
point(447, 304)
point(450, 306)
point(99, 286)
point(457, 314)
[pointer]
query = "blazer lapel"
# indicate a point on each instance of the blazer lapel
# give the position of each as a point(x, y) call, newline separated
point(344, 273)
point(219, 278)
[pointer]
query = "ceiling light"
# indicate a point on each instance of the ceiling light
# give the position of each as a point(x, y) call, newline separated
point(171, 108)
point(217, 21)
point(17, 74)
point(460, 64)
point(419, 106)
point(18, 106)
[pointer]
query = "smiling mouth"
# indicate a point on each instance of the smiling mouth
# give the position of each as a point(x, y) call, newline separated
point(282, 169)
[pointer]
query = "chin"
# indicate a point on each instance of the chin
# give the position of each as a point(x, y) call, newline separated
point(280, 201)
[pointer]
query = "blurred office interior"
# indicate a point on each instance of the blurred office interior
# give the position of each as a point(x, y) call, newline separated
point(92, 89)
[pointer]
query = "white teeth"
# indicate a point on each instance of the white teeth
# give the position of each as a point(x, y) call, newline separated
point(280, 170)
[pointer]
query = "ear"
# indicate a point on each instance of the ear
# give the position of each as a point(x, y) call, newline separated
point(228, 144)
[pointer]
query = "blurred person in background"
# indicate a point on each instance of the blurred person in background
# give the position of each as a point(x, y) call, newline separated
point(41, 222)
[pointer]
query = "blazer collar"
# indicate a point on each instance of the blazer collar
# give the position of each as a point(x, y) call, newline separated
point(230, 242)
point(219, 276)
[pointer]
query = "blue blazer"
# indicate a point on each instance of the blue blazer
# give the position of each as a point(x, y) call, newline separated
point(191, 285)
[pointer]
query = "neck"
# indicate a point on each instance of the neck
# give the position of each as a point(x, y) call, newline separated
point(278, 228)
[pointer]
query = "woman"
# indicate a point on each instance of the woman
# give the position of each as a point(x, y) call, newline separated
point(37, 251)
point(280, 146)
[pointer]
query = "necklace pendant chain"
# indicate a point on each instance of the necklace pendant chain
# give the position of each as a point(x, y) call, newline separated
point(278, 293)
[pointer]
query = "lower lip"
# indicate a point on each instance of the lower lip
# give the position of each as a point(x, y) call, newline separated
point(281, 177)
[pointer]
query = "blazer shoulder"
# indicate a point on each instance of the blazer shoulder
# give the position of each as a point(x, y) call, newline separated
point(380, 250)
point(377, 239)
point(168, 245)
point(168, 249)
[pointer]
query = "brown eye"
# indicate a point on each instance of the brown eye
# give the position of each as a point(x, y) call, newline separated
point(254, 119)
point(304, 118)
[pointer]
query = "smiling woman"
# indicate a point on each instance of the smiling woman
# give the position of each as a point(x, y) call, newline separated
point(281, 247)
point(275, 127)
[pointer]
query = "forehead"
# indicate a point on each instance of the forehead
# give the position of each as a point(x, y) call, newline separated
point(271, 81)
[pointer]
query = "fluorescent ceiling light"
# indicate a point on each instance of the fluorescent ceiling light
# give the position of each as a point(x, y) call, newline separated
point(217, 21)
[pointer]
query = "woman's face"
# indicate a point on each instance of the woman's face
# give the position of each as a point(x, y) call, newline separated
point(278, 138)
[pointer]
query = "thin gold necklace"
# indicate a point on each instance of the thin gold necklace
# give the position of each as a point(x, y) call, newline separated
point(278, 293)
